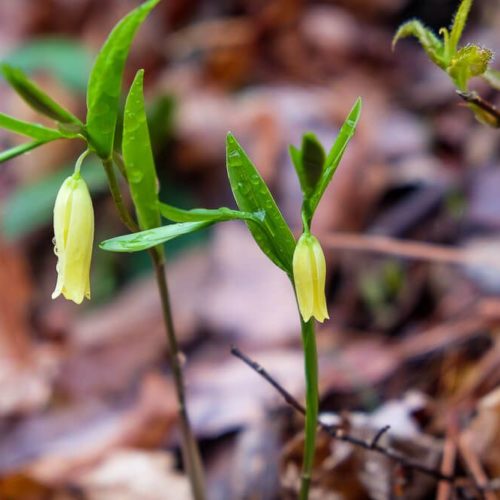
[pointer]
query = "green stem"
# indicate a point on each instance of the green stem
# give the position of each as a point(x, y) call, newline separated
point(190, 451)
point(311, 372)
point(125, 217)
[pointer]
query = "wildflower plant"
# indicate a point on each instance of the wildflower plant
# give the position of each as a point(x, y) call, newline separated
point(303, 260)
point(461, 63)
point(133, 161)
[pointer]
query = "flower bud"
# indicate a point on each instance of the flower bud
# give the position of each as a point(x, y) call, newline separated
point(74, 235)
point(309, 270)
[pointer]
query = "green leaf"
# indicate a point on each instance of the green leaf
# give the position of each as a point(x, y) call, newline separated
point(144, 240)
point(31, 207)
point(37, 98)
point(252, 195)
point(492, 76)
point(66, 59)
point(19, 150)
point(458, 25)
point(334, 156)
point(469, 61)
point(429, 41)
point(205, 214)
point(33, 130)
point(308, 162)
point(138, 157)
point(105, 80)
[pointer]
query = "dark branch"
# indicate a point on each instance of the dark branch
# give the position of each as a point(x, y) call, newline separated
point(490, 113)
point(341, 435)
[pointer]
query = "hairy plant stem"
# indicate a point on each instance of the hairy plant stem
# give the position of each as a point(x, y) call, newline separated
point(190, 452)
point(311, 372)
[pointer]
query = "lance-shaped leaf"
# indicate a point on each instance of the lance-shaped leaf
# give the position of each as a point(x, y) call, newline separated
point(207, 215)
point(150, 238)
point(458, 25)
point(138, 157)
point(308, 161)
point(37, 98)
point(252, 195)
point(105, 80)
point(429, 41)
point(469, 61)
point(19, 150)
point(334, 156)
point(33, 130)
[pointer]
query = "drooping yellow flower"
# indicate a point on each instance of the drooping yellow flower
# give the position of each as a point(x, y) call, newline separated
point(309, 271)
point(74, 236)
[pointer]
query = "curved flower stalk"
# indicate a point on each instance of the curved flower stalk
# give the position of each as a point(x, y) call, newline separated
point(73, 239)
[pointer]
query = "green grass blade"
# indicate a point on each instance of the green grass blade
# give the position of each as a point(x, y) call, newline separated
point(138, 157)
point(252, 195)
point(335, 154)
point(33, 130)
point(37, 98)
point(150, 238)
point(105, 80)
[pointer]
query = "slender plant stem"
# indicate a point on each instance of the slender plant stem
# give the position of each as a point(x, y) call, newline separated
point(114, 187)
point(190, 451)
point(311, 372)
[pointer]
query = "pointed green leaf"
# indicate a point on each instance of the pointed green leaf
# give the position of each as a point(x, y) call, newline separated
point(105, 80)
point(469, 61)
point(335, 155)
point(308, 162)
point(33, 130)
point(19, 150)
point(37, 98)
point(150, 238)
point(67, 59)
point(458, 25)
point(138, 157)
point(252, 195)
point(492, 76)
point(429, 41)
point(205, 214)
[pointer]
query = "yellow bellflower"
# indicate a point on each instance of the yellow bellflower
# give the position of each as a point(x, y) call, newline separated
point(309, 271)
point(74, 235)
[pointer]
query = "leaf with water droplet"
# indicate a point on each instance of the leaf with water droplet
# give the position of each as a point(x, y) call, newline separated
point(206, 214)
point(150, 238)
point(138, 157)
point(105, 80)
point(334, 156)
point(252, 195)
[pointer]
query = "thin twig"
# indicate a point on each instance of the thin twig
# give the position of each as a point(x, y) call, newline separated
point(340, 434)
point(378, 436)
point(491, 111)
